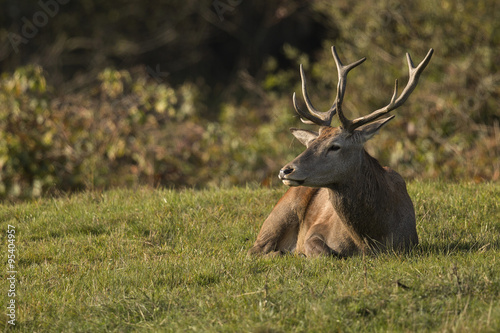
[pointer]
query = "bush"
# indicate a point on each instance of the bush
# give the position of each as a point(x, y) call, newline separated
point(27, 133)
point(124, 131)
point(124, 128)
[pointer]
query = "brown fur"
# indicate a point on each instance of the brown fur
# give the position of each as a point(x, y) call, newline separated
point(360, 205)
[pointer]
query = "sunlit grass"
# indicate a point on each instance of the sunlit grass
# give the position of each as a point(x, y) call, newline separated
point(162, 260)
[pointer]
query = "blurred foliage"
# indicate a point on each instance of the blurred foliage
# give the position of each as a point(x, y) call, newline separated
point(125, 130)
point(175, 93)
point(449, 128)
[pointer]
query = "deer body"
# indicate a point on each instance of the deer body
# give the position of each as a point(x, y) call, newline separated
point(341, 201)
point(370, 210)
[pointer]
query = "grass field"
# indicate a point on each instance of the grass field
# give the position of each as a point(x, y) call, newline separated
point(162, 260)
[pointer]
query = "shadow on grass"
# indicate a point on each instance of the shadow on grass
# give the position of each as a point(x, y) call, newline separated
point(456, 247)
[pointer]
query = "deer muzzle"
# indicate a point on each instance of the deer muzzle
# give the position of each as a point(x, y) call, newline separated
point(286, 176)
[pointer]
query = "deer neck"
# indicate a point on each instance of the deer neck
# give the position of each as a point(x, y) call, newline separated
point(360, 199)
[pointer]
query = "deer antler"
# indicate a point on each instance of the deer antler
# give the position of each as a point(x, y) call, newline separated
point(313, 116)
point(325, 118)
point(342, 72)
point(414, 75)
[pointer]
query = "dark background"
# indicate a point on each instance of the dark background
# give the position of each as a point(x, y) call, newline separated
point(99, 94)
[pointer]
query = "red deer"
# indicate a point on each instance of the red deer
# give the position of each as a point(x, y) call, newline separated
point(341, 201)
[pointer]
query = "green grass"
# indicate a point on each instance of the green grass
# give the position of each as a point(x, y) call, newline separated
point(161, 260)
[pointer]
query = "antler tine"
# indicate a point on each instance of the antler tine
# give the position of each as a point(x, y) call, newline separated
point(313, 116)
point(342, 72)
point(414, 75)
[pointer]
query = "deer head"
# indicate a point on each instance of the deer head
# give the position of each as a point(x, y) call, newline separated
point(334, 154)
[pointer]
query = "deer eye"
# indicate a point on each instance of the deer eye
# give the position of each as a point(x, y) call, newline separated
point(334, 148)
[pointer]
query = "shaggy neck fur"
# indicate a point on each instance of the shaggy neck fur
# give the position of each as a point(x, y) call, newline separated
point(359, 200)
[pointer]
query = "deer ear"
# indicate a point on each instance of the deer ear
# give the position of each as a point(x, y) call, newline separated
point(368, 131)
point(304, 136)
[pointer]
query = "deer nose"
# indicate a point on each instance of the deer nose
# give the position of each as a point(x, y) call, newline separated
point(285, 171)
